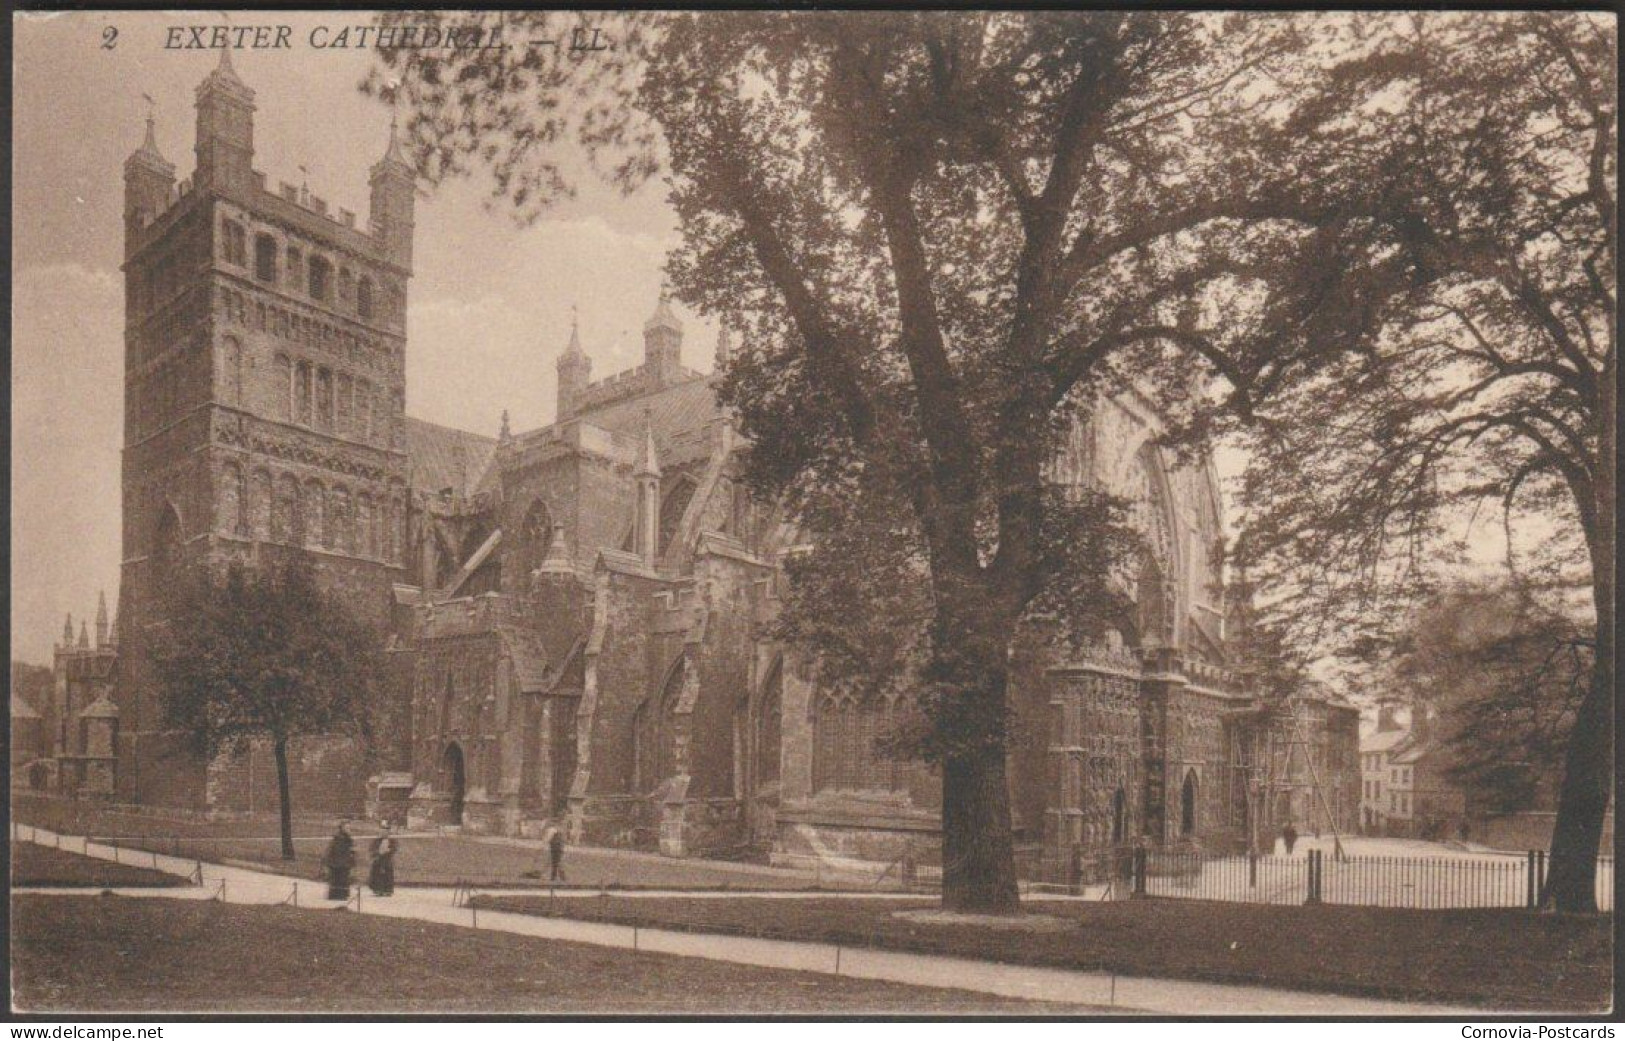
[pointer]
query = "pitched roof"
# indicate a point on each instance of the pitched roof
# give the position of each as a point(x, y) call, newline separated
point(677, 416)
point(445, 457)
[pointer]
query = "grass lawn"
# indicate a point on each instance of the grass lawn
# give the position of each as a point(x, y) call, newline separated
point(1491, 958)
point(96, 953)
point(33, 865)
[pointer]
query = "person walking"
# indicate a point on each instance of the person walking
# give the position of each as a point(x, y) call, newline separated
point(1289, 837)
point(381, 875)
point(339, 861)
point(555, 855)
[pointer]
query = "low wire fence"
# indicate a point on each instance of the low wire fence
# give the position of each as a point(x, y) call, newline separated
point(1319, 877)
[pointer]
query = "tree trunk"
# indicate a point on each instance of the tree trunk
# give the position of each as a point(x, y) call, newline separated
point(285, 804)
point(970, 670)
point(978, 856)
point(1588, 766)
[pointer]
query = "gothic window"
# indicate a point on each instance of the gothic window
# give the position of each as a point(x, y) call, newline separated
point(535, 537)
point(845, 732)
point(265, 258)
point(233, 500)
point(260, 504)
point(363, 297)
point(341, 406)
point(363, 404)
point(315, 530)
point(321, 278)
point(285, 514)
point(366, 544)
point(301, 393)
point(284, 387)
point(1119, 817)
point(234, 243)
point(1187, 804)
point(339, 526)
point(232, 377)
point(324, 399)
point(655, 731)
point(769, 727)
point(296, 271)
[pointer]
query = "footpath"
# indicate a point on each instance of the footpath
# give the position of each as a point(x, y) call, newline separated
point(1127, 994)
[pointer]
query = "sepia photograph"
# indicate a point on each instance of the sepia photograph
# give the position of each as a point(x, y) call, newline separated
point(793, 514)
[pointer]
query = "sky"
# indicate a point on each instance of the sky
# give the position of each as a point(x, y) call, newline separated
point(489, 305)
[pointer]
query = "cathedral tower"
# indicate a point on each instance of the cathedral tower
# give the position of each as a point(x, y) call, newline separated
point(265, 340)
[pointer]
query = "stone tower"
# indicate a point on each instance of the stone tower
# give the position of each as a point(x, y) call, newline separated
point(264, 399)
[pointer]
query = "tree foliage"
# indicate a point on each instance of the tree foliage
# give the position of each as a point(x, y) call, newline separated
point(265, 654)
point(945, 235)
point(1477, 158)
point(1502, 671)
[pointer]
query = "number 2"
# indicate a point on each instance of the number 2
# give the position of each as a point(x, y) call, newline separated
point(109, 37)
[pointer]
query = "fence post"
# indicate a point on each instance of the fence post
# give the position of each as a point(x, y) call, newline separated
point(1540, 871)
point(1252, 870)
point(1313, 864)
point(1530, 884)
point(1139, 870)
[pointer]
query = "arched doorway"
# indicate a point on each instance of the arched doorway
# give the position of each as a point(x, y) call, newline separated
point(451, 769)
point(1119, 817)
point(1187, 804)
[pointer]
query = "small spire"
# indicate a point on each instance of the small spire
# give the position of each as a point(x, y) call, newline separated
point(505, 434)
point(575, 334)
point(84, 634)
point(101, 618)
point(663, 318)
point(394, 153)
point(67, 630)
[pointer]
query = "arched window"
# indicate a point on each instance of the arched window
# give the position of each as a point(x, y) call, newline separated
point(234, 243)
point(845, 754)
point(535, 537)
point(363, 297)
point(233, 500)
point(344, 394)
point(265, 258)
point(301, 393)
point(314, 500)
point(285, 512)
point(1119, 817)
point(260, 504)
point(769, 727)
point(284, 387)
point(1187, 804)
point(231, 377)
point(321, 278)
point(166, 541)
point(338, 521)
point(324, 398)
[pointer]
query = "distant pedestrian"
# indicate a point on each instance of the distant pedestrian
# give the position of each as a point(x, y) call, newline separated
point(381, 875)
point(1289, 837)
point(338, 862)
point(555, 855)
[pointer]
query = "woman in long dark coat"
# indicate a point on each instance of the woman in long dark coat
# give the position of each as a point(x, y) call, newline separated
point(381, 876)
point(339, 861)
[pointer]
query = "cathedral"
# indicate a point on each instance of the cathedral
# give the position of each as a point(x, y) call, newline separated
point(578, 616)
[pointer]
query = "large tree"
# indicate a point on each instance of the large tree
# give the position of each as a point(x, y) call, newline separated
point(265, 654)
point(945, 235)
point(1477, 155)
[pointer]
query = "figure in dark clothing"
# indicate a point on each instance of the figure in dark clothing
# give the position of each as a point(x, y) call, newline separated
point(381, 876)
point(339, 861)
point(555, 855)
point(1289, 837)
